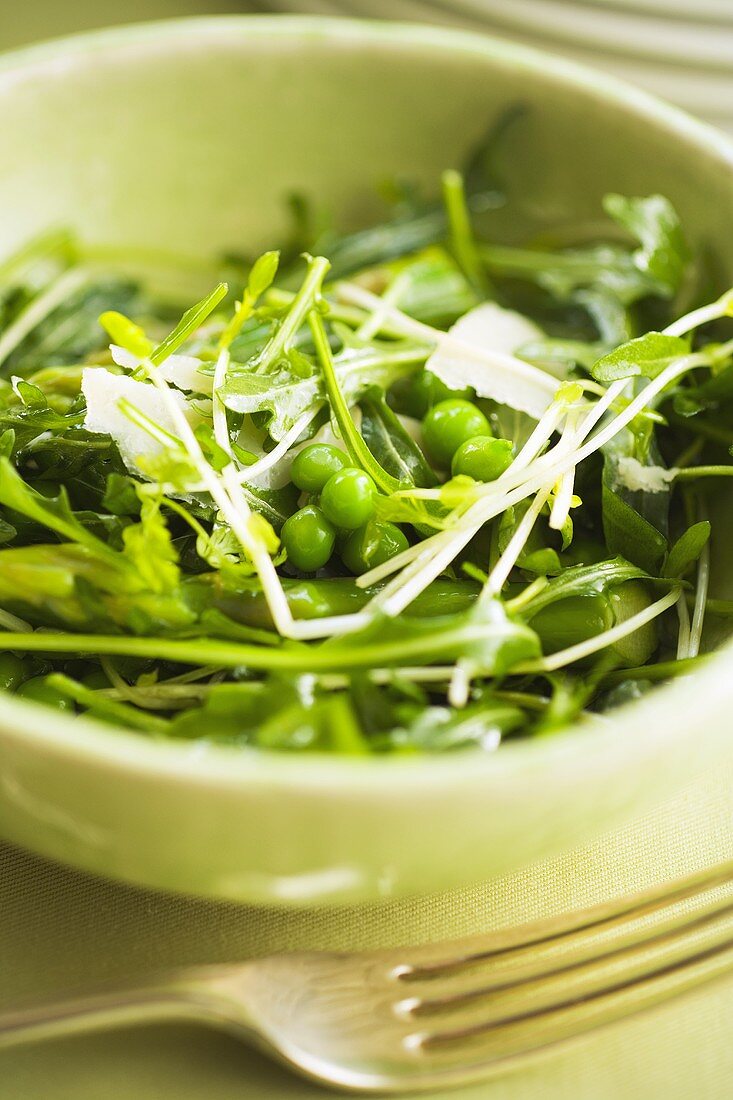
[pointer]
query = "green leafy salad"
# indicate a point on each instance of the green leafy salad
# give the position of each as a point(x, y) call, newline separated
point(406, 490)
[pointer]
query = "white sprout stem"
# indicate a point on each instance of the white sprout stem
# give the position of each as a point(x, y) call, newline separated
point(683, 634)
point(227, 493)
point(477, 513)
point(425, 674)
point(564, 496)
point(507, 481)
point(517, 603)
point(601, 641)
point(406, 587)
point(460, 684)
point(663, 379)
point(373, 323)
point(701, 595)
point(500, 573)
point(308, 629)
point(356, 295)
point(541, 434)
point(218, 408)
point(563, 501)
point(394, 564)
point(701, 316)
point(277, 601)
point(248, 473)
point(40, 308)
point(221, 429)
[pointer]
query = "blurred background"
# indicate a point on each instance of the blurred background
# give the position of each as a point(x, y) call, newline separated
point(681, 50)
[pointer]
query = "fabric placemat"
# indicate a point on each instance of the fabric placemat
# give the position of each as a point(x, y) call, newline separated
point(60, 929)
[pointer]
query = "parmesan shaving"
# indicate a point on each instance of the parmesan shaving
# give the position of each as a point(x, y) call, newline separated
point(103, 391)
point(184, 371)
point(647, 479)
point(478, 352)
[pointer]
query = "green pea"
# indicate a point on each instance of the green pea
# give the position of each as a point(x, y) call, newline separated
point(13, 671)
point(371, 545)
point(40, 691)
point(483, 458)
point(348, 498)
point(308, 538)
point(415, 396)
point(448, 425)
point(315, 464)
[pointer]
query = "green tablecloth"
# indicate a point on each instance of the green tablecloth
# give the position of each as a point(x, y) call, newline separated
point(60, 929)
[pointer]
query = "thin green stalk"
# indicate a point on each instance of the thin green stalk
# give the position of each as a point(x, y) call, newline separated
point(663, 670)
point(301, 305)
point(356, 446)
point(199, 651)
point(462, 239)
point(108, 708)
point(690, 472)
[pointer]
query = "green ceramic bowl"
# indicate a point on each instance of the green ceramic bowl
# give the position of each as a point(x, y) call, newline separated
point(187, 135)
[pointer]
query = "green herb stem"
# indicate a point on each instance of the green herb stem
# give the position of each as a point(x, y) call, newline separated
point(300, 307)
point(688, 473)
point(443, 642)
point(108, 708)
point(356, 446)
point(461, 232)
point(662, 670)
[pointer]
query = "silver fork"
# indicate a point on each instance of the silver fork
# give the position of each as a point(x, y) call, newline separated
point(417, 1018)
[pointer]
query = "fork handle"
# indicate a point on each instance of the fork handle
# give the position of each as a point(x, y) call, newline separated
point(162, 1001)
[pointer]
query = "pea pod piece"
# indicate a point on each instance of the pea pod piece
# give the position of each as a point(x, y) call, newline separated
point(576, 619)
point(315, 599)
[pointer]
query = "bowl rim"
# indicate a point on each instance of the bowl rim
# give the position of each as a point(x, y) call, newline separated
point(653, 724)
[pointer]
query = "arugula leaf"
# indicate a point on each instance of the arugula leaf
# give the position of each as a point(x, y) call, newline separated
point(148, 546)
point(440, 729)
point(260, 279)
point(663, 252)
point(687, 549)
point(285, 394)
point(120, 495)
point(584, 580)
point(54, 513)
point(191, 320)
point(627, 533)
point(430, 288)
point(646, 355)
point(276, 716)
point(635, 521)
point(70, 333)
point(387, 439)
point(121, 330)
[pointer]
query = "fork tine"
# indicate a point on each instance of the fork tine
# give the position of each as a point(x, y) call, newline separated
point(431, 962)
point(621, 950)
point(574, 1015)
